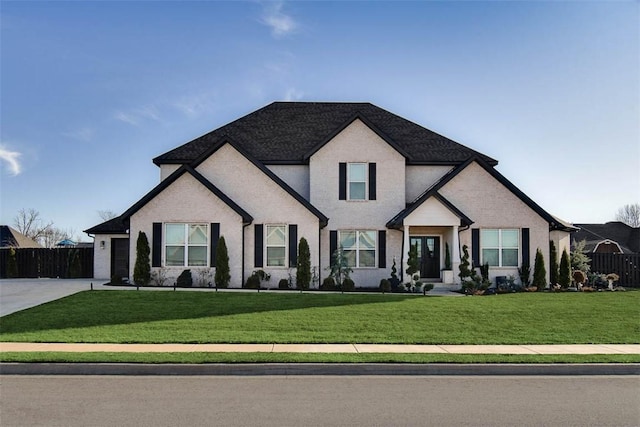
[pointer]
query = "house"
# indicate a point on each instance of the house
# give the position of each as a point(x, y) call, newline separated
point(612, 237)
point(348, 175)
point(12, 238)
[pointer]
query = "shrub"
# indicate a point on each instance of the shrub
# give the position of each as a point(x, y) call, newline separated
point(385, 286)
point(184, 279)
point(116, 280)
point(579, 277)
point(348, 285)
point(328, 284)
point(465, 272)
point(283, 284)
point(579, 260)
point(553, 264)
point(413, 261)
point(525, 273)
point(303, 270)
point(447, 257)
point(613, 277)
point(222, 276)
point(564, 278)
point(142, 268)
point(253, 282)
point(427, 287)
point(539, 272)
point(12, 264)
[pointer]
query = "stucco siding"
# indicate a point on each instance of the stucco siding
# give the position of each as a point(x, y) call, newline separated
point(358, 143)
point(166, 170)
point(188, 201)
point(264, 200)
point(491, 205)
point(296, 176)
point(432, 212)
point(419, 178)
point(102, 255)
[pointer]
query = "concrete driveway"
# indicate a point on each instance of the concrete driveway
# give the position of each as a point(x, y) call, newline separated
point(18, 294)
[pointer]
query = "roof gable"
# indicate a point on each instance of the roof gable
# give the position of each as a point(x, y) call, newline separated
point(398, 221)
point(289, 132)
point(12, 238)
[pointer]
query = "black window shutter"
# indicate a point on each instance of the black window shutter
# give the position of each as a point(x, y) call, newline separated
point(333, 244)
point(215, 236)
point(525, 246)
point(293, 245)
point(382, 249)
point(258, 251)
point(342, 178)
point(372, 181)
point(156, 248)
point(475, 246)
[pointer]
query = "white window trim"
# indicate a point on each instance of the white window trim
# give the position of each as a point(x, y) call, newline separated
point(366, 182)
point(500, 247)
point(357, 248)
point(186, 244)
point(267, 246)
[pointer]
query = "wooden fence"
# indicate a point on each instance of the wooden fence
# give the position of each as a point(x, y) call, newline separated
point(55, 262)
point(627, 266)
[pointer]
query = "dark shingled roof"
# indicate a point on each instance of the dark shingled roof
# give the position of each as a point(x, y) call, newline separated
point(117, 225)
point(287, 132)
point(626, 236)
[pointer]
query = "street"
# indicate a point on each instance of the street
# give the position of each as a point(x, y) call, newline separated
point(319, 400)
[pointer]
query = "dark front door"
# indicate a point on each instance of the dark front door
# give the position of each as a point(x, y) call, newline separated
point(120, 257)
point(428, 255)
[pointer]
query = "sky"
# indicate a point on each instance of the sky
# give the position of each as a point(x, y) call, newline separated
point(91, 92)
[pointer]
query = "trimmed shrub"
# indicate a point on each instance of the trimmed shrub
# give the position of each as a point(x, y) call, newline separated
point(184, 280)
point(253, 282)
point(579, 277)
point(328, 284)
point(447, 257)
point(116, 280)
point(303, 270)
point(427, 287)
point(465, 272)
point(564, 277)
point(525, 275)
point(348, 285)
point(413, 261)
point(539, 272)
point(553, 264)
point(283, 284)
point(385, 286)
point(223, 275)
point(142, 268)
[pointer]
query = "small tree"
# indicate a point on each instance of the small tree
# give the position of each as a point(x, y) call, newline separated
point(465, 272)
point(539, 271)
point(525, 275)
point(142, 268)
point(579, 260)
point(303, 270)
point(553, 263)
point(413, 264)
point(340, 269)
point(564, 278)
point(12, 264)
point(223, 275)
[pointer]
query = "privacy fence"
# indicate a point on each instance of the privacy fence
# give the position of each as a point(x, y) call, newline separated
point(627, 266)
point(56, 262)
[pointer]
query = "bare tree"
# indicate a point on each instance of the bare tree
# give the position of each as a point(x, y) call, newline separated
point(106, 215)
point(629, 214)
point(53, 235)
point(29, 223)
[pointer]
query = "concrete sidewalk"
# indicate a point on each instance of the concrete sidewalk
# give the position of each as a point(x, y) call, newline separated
point(324, 348)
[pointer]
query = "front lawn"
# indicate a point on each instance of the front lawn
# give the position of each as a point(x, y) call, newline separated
point(226, 317)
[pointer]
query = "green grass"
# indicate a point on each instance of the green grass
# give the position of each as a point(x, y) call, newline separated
point(225, 317)
point(60, 357)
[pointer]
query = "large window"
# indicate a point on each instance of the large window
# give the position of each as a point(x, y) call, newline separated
point(500, 247)
point(186, 245)
point(276, 245)
point(359, 247)
point(357, 180)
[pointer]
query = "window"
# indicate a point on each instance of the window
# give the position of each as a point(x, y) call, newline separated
point(357, 179)
point(186, 245)
point(276, 245)
point(359, 247)
point(500, 247)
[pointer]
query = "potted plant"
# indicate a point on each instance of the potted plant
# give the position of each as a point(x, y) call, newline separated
point(447, 272)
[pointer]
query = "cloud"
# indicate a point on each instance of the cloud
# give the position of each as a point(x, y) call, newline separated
point(280, 23)
point(11, 158)
point(126, 117)
point(136, 115)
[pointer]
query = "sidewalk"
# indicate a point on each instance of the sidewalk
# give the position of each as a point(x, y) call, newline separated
point(324, 348)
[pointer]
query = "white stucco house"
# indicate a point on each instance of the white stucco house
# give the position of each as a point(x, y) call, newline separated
point(339, 174)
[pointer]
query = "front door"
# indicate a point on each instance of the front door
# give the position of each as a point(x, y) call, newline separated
point(120, 257)
point(428, 255)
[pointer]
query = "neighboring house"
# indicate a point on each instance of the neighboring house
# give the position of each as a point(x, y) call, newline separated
point(339, 174)
point(612, 237)
point(12, 238)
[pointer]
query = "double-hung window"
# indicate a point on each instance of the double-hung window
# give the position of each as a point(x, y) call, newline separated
point(276, 245)
point(500, 247)
point(359, 247)
point(186, 245)
point(357, 181)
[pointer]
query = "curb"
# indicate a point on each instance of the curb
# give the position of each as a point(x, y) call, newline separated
point(316, 369)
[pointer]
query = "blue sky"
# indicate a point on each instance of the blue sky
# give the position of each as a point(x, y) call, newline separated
point(92, 91)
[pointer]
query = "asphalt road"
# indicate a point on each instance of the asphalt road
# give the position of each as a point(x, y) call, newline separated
point(319, 401)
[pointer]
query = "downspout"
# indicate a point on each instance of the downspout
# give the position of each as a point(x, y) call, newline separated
point(319, 255)
point(401, 258)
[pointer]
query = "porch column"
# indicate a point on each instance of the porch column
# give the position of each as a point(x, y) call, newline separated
point(455, 254)
point(405, 251)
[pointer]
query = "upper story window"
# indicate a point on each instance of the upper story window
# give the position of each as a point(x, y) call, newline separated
point(276, 245)
point(357, 177)
point(186, 245)
point(500, 247)
point(357, 181)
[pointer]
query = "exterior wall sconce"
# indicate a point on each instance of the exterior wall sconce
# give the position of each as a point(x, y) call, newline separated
point(102, 244)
